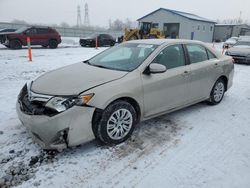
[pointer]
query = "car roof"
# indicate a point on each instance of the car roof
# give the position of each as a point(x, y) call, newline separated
point(164, 41)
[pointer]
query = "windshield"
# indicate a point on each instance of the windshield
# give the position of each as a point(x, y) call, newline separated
point(241, 44)
point(22, 29)
point(124, 57)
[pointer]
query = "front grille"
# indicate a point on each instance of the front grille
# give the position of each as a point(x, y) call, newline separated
point(240, 59)
point(33, 107)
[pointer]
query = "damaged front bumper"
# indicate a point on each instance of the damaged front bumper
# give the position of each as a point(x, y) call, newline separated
point(69, 128)
point(50, 129)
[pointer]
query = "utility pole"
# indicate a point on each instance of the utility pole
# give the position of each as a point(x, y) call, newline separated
point(79, 18)
point(240, 21)
point(86, 15)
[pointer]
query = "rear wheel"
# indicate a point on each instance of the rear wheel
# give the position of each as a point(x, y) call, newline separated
point(53, 44)
point(117, 123)
point(217, 92)
point(15, 44)
point(112, 43)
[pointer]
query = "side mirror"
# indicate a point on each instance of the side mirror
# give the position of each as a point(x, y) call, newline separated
point(155, 68)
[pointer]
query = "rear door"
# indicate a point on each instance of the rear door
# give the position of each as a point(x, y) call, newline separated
point(43, 36)
point(34, 38)
point(203, 71)
point(168, 90)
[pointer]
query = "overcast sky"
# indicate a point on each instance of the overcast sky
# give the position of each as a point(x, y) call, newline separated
point(100, 11)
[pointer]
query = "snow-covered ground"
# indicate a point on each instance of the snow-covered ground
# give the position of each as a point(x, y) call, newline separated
point(200, 146)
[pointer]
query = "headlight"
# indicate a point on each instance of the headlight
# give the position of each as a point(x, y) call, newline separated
point(61, 104)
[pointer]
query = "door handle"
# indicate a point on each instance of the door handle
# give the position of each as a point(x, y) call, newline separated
point(216, 65)
point(186, 73)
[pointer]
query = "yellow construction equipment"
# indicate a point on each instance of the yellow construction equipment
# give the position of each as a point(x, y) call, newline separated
point(146, 31)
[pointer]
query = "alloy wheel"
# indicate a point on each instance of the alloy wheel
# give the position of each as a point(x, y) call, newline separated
point(119, 124)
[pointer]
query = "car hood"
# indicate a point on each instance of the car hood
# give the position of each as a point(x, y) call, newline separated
point(74, 79)
point(239, 51)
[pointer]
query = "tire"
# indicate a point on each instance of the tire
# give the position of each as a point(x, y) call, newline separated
point(7, 46)
point(53, 44)
point(117, 123)
point(15, 44)
point(112, 43)
point(44, 46)
point(217, 92)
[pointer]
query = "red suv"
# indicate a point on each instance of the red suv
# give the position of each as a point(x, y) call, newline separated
point(44, 36)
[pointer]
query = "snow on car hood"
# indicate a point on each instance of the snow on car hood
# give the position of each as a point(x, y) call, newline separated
point(74, 79)
point(239, 51)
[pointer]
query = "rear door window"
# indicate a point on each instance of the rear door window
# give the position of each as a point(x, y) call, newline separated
point(197, 53)
point(42, 31)
point(171, 57)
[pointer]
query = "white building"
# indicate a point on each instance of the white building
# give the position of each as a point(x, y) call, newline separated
point(177, 24)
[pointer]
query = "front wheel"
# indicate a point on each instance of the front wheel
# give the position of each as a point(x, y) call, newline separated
point(217, 92)
point(15, 44)
point(117, 123)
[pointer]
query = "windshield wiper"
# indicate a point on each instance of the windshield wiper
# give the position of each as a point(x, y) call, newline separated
point(100, 66)
point(87, 62)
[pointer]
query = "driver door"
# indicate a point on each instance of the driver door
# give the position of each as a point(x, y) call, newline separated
point(168, 90)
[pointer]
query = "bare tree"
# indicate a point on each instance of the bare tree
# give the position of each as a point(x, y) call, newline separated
point(65, 24)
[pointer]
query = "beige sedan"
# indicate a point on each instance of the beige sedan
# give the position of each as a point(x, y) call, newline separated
point(106, 96)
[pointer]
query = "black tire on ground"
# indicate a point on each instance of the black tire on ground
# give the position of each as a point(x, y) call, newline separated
point(15, 44)
point(53, 44)
point(7, 46)
point(103, 126)
point(112, 43)
point(217, 92)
